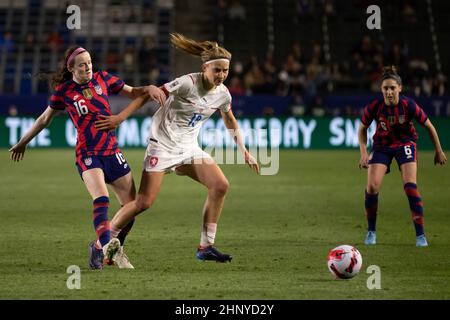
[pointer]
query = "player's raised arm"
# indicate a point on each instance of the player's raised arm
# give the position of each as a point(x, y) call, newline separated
point(232, 125)
point(150, 90)
point(112, 122)
point(44, 120)
point(439, 157)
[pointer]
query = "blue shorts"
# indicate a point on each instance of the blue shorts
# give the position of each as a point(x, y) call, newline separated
point(113, 166)
point(402, 155)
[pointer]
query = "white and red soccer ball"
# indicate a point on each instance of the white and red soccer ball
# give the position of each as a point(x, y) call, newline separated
point(344, 261)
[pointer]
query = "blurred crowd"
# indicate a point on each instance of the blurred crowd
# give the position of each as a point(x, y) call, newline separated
point(305, 75)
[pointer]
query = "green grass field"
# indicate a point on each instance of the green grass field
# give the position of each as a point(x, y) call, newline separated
point(278, 228)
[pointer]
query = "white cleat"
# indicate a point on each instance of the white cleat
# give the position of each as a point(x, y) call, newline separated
point(111, 249)
point(122, 261)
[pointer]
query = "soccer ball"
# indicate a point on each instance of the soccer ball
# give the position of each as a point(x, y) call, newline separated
point(344, 261)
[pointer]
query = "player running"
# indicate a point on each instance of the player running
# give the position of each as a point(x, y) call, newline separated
point(173, 146)
point(395, 137)
point(84, 94)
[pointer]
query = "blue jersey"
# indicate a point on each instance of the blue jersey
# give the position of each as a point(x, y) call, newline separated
point(394, 123)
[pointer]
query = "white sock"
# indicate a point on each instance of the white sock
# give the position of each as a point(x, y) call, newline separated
point(114, 231)
point(208, 234)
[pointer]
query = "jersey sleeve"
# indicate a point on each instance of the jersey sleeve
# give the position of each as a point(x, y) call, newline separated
point(417, 112)
point(56, 100)
point(180, 85)
point(114, 83)
point(369, 113)
point(226, 106)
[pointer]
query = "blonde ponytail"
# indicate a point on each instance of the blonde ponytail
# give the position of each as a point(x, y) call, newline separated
point(207, 50)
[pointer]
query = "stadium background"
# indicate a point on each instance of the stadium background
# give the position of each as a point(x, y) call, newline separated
point(296, 61)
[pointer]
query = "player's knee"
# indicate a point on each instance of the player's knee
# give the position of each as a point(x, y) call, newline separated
point(373, 187)
point(143, 204)
point(220, 188)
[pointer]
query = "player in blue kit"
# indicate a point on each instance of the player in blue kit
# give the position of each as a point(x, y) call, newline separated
point(395, 137)
point(84, 94)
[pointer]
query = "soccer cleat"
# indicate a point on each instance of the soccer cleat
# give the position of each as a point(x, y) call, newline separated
point(108, 262)
point(95, 257)
point(122, 261)
point(421, 241)
point(110, 250)
point(211, 253)
point(371, 238)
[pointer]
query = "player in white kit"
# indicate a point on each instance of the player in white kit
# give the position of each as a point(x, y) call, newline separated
point(186, 103)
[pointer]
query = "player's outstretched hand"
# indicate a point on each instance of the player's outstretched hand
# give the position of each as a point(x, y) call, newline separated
point(364, 161)
point(107, 122)
point(156, 94)
point(251, 161)
point(17, 152)
point(440, 158)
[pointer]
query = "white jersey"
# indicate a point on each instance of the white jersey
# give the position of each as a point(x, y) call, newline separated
point(177, 123)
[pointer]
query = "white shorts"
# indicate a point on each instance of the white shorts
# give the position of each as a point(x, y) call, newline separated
point(158, 159)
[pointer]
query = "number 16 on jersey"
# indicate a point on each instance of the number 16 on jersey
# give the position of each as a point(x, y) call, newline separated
point(82, 109)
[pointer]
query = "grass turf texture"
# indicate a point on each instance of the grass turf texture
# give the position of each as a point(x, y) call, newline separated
point(278, 228)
